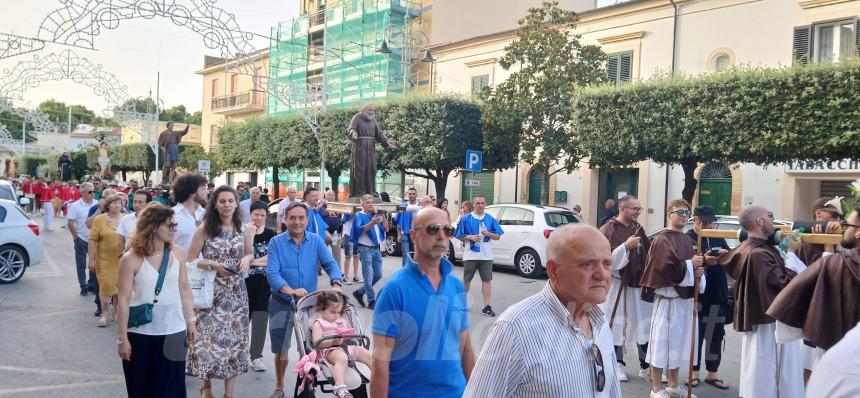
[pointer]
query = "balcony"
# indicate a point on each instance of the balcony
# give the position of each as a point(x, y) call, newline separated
point(238, 103)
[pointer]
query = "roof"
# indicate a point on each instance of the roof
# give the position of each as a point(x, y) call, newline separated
point(210, 63)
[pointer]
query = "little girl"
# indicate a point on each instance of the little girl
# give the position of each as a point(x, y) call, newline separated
point(332, 305)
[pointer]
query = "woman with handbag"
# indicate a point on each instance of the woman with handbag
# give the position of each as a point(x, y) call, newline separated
point(104, 251)
point(155, 312)
point(221, 348)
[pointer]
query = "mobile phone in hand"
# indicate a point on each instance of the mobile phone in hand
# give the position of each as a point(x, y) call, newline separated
point(715, 251)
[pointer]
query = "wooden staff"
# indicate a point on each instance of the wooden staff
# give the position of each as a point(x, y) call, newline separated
point(822, 239)
point(694, 322)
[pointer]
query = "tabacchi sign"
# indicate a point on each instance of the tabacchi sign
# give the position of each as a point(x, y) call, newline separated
point(847, 166)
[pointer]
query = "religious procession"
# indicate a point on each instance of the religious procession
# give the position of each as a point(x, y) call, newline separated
point(660, 198)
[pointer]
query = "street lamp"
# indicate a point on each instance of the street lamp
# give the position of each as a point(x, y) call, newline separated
point(407, 40)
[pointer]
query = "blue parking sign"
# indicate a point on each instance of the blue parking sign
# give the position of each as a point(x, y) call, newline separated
point(474, 161)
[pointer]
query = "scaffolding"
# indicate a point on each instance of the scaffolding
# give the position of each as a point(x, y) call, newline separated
point(341, 40)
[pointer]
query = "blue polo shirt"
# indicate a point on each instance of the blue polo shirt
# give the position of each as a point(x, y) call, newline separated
point(426, 324)
point(296, 265)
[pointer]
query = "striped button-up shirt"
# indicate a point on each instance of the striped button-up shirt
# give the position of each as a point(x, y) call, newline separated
point(535, 349)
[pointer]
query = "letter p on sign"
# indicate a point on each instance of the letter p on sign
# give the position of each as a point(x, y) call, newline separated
point(474, 161)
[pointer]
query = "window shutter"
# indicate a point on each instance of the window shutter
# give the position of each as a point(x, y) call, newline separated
point(857, 36)
point(624, 67)
point(612, 69)
point(801, 49)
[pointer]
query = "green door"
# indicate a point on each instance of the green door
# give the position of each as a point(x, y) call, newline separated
point(486, 178)
point(537, 176)
point(716, 193)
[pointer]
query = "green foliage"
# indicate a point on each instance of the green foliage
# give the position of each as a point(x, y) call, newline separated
point(131, 157)
point(195, 118)
point(760, 116)
point(529, 112)
point(189, 154)
point(30, 163)
point(175, 114)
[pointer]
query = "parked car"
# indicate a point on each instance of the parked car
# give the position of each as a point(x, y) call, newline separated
point(20, 244)
point(723, 222)
point(527, 229)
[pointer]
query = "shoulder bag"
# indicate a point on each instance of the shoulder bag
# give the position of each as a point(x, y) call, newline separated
point(142, 314)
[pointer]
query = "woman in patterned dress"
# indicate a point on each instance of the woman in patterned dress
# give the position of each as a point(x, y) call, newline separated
point(220, 350)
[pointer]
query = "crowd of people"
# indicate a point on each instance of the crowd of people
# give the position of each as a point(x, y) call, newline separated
point(140, 252)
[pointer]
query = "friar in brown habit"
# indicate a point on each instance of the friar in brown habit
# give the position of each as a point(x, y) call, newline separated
point(364, 132)
point(824, 300)
point(768, 368)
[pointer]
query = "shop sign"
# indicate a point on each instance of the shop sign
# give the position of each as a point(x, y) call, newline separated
point(845, 166)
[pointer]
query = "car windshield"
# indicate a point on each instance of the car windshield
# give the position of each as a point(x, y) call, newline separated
point(6, 193)
point(557, 219)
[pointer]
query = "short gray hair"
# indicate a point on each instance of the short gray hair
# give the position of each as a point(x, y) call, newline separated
point(366, 197)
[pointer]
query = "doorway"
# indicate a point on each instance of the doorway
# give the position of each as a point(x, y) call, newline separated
point(715, 188)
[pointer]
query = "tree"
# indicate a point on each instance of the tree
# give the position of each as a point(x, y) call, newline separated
point(195, 118)
point(140, 105)
point(174, 114)
point(551, 64)
point(131, 158)
point(759, 116)
point(190, 154)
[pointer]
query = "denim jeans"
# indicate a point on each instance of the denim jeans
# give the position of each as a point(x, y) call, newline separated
point(404, 248)
point(81, 247)
point(371, 270)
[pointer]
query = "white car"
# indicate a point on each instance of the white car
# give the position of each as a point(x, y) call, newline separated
point(6, 191)
point(527, 229)
point(20, 243)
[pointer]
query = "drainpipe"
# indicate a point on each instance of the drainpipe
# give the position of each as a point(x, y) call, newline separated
point(674, 51)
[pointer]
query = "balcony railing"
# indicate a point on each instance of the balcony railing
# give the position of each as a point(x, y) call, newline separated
point(246, 99)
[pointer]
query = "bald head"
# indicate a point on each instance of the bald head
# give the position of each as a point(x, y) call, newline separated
point(750, 214)
point(579, 266)
point(430, 248)
point(430, 215)
point(573, 238)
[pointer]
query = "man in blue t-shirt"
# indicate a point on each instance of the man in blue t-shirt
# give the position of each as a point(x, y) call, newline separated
point(421, 341)
point(404, 221)
point(368, 232)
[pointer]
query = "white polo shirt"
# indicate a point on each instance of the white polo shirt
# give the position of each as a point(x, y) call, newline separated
point(126, 226)
point(78, 212)
point(186, 224)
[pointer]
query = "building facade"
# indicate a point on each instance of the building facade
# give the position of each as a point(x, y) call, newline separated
point(643, 38)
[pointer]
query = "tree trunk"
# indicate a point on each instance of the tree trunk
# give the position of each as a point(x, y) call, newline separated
point(124, 177)
point(146, 175)
point(276, 183)
point(690, 182)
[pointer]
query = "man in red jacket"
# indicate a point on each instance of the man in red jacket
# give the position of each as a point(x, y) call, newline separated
point(46, 199)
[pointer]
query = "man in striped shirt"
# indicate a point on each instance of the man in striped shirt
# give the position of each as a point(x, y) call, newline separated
point(555, 343)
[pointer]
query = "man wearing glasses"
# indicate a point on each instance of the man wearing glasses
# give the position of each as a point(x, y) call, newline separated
point(556, 343)
point(821, 304)
point(421, 341)
point(667, 281)
point(78, 213)
point(768, 368)
point(630, 316)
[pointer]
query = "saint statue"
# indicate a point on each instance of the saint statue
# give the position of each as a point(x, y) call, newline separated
point(168, 141)
point(364, 132)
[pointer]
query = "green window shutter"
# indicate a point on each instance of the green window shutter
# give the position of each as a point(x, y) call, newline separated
point(612, 68)
point(625, 72)
point(801, 51)
point(479, 82)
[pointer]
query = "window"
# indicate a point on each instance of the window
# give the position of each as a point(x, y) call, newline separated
point(619, 67)
point(494, 211)
point(557, 219)
point(722, 62)
point(215, 88)
point(2, 214)
point(234, 83)
point(479, 82)
point(513, 216)
point(213, 136)
point(825, 42)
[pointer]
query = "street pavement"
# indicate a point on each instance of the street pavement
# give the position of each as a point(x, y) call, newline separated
point(50, 345)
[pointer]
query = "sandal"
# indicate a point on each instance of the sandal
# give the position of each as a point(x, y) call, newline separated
point(722, 385)
point(696, 382)
point(102, 322)
point(342, 392)
point(206, 392)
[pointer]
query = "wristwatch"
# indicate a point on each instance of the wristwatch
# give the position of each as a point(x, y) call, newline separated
point(120, 342)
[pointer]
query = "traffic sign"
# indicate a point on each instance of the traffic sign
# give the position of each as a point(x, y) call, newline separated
point(203, 166)
point(474, 161)
point(473, 183)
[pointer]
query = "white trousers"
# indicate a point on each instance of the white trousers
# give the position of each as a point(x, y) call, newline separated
point(632, 318)
point(769, 369)
point(48, 216)
point(671, 332)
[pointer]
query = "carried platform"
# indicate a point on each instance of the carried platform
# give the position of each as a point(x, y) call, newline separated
point(352, 207)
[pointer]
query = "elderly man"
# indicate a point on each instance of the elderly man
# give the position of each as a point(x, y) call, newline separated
point(282, 207)
point(291, 272)
point(368, 232)
point(364, 132)
point(245, 205)
point(555, 343)
point(768, 368)
point(421, 342)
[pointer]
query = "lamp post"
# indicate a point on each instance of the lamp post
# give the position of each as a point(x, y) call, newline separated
point(406, 39)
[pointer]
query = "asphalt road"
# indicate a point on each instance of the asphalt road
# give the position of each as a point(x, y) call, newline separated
point(50, 345)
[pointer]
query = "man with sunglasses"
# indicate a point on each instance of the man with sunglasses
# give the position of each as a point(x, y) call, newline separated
point(477, 229)
point(668, 281)
point(630, 316)
point(556, 343)
point(822, 303)
point(78, 212)
point(768, 368)
point(421, 341)
point(368, 232)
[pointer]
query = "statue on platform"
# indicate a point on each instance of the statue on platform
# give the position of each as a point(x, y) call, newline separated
point(364, 132)
point(168, 141)
point(104, 160)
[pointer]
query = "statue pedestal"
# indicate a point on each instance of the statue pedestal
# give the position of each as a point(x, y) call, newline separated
point(352, 206)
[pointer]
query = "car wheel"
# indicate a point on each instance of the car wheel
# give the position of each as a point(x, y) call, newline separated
point(528, 263)
point(392, 246)
point(13, 263)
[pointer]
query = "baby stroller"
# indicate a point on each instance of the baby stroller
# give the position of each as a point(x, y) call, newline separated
point(357, 373)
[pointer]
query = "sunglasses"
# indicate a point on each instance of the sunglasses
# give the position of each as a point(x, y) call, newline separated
point(847, 225)
point(682, 213)
point(433, 229)
point(599, 374)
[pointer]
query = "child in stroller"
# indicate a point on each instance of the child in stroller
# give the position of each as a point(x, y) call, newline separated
point(331, 305)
